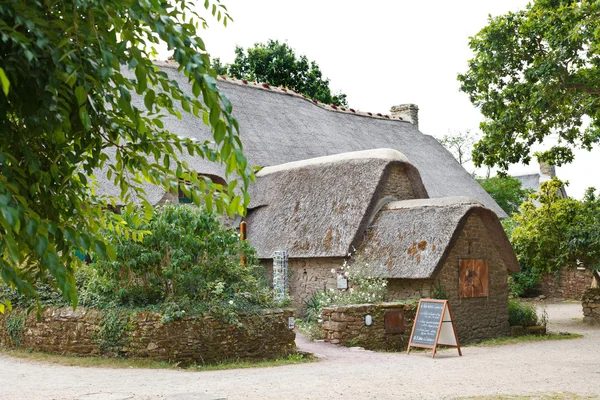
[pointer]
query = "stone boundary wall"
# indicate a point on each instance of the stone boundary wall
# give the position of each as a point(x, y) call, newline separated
point(569, 284)
point(190, 340)
point(591, 306)
point(345, 325)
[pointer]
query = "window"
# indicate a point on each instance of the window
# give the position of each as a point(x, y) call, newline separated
point(473, 278)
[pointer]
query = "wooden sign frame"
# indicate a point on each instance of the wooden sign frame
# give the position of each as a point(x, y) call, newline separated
point(445, 310)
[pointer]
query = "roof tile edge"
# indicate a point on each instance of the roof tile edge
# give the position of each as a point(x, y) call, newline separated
point(290, 92)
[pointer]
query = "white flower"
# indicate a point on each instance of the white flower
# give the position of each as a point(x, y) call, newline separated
point(230, 301)
point(346, 274)
point(333, 270)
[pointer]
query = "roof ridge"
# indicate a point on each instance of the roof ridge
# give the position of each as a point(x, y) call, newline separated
point(387, 154)
point(295, 93)
point(292, 92)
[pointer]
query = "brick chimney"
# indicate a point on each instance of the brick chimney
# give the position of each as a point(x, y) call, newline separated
point(547, 170)
point(408, 112)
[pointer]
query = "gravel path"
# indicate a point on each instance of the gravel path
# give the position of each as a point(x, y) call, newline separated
point(541, 367)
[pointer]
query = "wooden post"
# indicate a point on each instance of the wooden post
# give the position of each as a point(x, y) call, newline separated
point(243, 237)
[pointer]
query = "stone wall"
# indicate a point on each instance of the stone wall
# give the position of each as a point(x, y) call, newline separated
point(345, 325)
point(190, 340)
point(397, 185)
point(399, 289)
point(591, 306)
point(569, 283)
point(307, 276)
point(479, 318)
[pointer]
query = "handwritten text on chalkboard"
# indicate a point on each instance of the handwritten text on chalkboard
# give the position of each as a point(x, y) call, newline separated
point(427, 323)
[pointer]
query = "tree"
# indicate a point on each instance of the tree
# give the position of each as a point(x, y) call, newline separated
point(460, 145)
point(560, 232)
point(277, 64)
point(536, 73)
point(506, 191)
point(66, 114)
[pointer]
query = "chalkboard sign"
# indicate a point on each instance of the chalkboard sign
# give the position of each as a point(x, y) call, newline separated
point(433, 326)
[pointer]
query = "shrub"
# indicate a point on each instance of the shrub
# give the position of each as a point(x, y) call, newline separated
point(187, 263)
point(521, 314)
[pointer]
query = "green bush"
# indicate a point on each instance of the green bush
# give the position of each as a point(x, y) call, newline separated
point(521, 314)
point(525, 283)
point(187, 263)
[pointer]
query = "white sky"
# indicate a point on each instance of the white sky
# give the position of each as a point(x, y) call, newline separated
point(386, 52)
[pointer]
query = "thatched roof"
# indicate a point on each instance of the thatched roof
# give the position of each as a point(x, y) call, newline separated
point(530, 181)
point(321, 207)
point(279, 126)
point(412, 238)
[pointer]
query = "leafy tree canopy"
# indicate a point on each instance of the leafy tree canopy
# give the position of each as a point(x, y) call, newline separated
point(560, 232)
point(460, 145)
point(536, 73)
point(506, 191)
point(66, 114)
point(277, 64)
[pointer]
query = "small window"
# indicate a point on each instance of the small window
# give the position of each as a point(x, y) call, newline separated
point(473, 278)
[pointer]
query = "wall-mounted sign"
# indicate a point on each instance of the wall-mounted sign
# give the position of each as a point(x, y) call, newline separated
point(342, 282)
point(433, 326)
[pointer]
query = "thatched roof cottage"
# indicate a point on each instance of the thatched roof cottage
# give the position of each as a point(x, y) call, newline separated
point(334, 179)
point(320, 210)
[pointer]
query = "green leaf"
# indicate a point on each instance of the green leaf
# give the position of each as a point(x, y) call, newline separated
point(13, 248)
point(81, 95)
point(85, 119)
point(100, 248)
point(142, 79)
point(4, 82)
point(70, 235)
point(149, 99)
point(41, 244)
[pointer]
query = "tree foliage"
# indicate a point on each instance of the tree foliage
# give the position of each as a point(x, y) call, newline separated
point(460, 145)
point(536, 73)
point(561, 232)
point(506, 191)
point(66, 114)
point(277, 64)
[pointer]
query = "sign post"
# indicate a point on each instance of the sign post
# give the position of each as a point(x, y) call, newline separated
point(433, 326)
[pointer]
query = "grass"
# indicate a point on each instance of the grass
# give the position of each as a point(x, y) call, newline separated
point(102, 362)
point(538, 396)
point(526, 338)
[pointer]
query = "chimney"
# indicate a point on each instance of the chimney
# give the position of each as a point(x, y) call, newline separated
point(547, 169)
point(408, 112)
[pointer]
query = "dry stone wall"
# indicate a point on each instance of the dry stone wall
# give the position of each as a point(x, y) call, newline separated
point(570, 283)
point(345, 325)
point(189, 340)
point(591, 306)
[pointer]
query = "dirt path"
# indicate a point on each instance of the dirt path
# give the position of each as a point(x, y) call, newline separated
point(542, 367)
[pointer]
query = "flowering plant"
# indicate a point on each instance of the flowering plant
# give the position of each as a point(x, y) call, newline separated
point(365, 286)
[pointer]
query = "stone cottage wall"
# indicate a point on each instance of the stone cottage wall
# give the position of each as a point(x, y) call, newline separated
point(480, 318)
point(190, 340)
point(399, 289)
point(397, 185)
point(591, 306)
point(570, 283)
point(306, 276)
point(345, 325)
